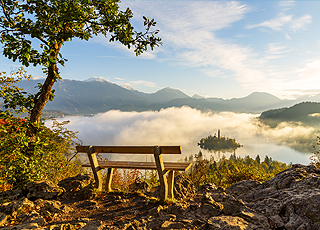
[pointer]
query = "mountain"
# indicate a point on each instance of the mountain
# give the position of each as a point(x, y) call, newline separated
point(306, 112)
point(255, 102)
point(98, 95)
point(163, 95)
point(197, 96)
point(89, 97)
point(200, 104)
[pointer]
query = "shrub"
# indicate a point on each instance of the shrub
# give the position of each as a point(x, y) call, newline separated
point(229, 171)
point(121, 179)
point(47, 161)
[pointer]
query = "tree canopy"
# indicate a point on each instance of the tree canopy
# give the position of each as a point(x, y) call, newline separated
point(55, 22)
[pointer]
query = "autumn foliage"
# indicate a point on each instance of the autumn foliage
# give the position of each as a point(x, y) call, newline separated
point(48, 160)
point(225, 172)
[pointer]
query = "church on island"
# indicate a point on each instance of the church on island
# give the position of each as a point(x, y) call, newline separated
point(218, 143)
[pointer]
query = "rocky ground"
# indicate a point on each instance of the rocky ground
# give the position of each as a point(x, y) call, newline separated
point(290, 200)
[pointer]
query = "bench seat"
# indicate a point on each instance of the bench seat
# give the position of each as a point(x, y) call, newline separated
point(165, 169)
point(174, 166)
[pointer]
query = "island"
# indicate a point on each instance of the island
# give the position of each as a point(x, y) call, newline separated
point(218, 143)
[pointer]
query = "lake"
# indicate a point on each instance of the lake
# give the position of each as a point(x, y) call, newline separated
point(185, 127)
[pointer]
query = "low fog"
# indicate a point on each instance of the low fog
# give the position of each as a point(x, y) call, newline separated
point(185, 127)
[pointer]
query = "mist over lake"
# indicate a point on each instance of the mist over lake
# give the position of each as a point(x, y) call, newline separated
point(186, 126)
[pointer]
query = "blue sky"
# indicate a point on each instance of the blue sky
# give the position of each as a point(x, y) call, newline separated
point(212, 48)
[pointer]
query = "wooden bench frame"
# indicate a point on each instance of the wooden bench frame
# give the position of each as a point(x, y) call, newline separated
point(163, 168)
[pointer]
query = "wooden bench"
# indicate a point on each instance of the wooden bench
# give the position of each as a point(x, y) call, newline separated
point(163, 168)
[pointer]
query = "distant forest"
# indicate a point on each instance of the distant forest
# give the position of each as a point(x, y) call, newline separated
point(305, 112)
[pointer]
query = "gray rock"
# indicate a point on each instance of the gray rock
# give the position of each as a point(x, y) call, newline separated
point(10, 195)
point(11, 207)
point(60, 227)
point(139, 185)
point(76, 183)
point(208, 187)
point(88, 204)
point(3, 218)
point(242, 187)
point(290, 200)
point(210, 210)
point(183, 187)
point(276, 221)
point(29, 226)
point(93, 225)
point(86, 193)
point(176, 209)
point(227, 223)
point(43, 189)
point(155, 211)
point(168, 217)
point(258, 220)
point(52, 206)
point(175, 225)
point(232, 206)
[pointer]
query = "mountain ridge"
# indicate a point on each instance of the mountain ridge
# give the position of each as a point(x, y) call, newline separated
point(96, 96)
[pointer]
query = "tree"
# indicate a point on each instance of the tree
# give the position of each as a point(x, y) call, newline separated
point(55, 22)
point(258, 160)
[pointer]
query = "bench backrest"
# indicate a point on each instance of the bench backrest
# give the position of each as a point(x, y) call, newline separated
point(131, 149)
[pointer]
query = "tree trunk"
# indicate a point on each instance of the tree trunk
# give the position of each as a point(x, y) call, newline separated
point(44, 94)
point(39, 104)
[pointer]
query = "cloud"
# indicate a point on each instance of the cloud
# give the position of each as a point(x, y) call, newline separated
point(189, 35)
point(286, 5)
point(181, 126)
point(282, 21)
point(301, 23)
point(191, 39)
point(275, 24)
point(275, 50)
point(38, 77)
point(94, 78)
point(141, 82)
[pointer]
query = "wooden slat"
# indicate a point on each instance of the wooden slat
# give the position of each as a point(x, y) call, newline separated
point(131, 149)
point(95, 167)
point(170, 150)
point(175, 166)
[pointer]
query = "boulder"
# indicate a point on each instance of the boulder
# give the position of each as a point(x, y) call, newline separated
point(290, 200)
point(10, 208)
point(88, 204)
point(176, 209)
point(208, 187)
point(43, 189)
point(242, 187)
point(139, 185)
point(3, 218)
point(10, 195)
point(76, 183)
point(52, 206)
point(86, 193)
point(227, 223)
point(28, 226)
point(183, 187)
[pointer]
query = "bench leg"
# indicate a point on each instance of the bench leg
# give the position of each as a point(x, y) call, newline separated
point(170, 184)
point(161, 172)
point(109, 179)
point(95, 167)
